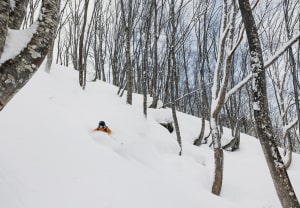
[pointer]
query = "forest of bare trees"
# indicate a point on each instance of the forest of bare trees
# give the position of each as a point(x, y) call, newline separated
point(199, 47)
point(204, 58)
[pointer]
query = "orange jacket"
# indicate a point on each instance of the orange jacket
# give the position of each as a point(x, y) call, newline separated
point(105, 129)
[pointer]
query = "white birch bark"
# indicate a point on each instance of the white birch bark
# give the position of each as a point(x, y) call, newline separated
point(16, 72)
point(263, 125)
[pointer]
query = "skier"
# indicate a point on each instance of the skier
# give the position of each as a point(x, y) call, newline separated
point(103, 127)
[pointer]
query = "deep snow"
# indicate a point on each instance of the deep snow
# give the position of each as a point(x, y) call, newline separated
point(50, 156)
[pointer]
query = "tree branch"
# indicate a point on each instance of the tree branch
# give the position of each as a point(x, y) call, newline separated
point(282, 50)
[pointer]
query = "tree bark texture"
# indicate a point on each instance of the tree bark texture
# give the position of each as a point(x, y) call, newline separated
point(81, 62)
point(148, 17)
point(218, 177)
point(263, 126)
point(16, 72)
point(17, 14)
point(155, 59)
point(4, 19)
point(172, 62)
point(219, 95)
point(49, 57)
point(128, 25)
point(51, 48)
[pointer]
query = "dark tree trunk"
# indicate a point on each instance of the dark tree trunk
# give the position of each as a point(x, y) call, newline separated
point(49, 57)
point(51, 48)
point(4, 19)
point(155, 60)
point(16, 72)
point(172, 62)
point(148, 17)
point(263, 125)
point(127, 24)
point(235, 142)
point(218, 177)
point(202, 48)
point(199, 140)
point(17, 14)
point(81, 62)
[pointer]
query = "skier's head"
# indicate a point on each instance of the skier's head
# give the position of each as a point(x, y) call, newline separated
point(101, 124)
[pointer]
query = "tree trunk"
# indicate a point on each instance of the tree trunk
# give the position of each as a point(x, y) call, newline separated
point(263, 125)
point(288, 150)
point(127, 25)
point(17, 14)
point(148, 17)
point(4, 19)
point(172, 62)
point(49, 57)
point(16, 72)
point(291, 59)
point(202, 55)
point(218, 96)
point(114, 64)
point(81, 62)
point(218, 177)
point(198, 141)
point(235, 142)
point(155, 60)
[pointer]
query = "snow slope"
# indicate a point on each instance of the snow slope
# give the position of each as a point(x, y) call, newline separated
point(50, 157)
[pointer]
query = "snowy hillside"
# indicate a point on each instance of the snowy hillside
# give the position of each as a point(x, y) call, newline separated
point(51, 158)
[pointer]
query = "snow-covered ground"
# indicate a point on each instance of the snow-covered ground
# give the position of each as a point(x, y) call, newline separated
point(51, 158)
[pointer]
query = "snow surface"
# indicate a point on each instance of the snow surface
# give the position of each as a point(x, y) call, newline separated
point(50, 157)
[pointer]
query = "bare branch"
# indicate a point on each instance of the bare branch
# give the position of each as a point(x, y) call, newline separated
point(282, 50)
point(238, 86)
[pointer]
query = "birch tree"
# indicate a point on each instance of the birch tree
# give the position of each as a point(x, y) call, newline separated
point(127, 21)
point(73, 30)
point(279, 77)
point(263, 125)
point(81, 48)
point(157, 27)
point(204, 25)
point(100, 30)
point(219, 90)
point(17, 14)
point(17, 71)
point(115, 44)
point(145, 64)
point(62, 22)
point(172, 64)
point(4, 20)
point(289, 13)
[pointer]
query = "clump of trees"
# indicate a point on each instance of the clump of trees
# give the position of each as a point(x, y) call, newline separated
point(192, 55)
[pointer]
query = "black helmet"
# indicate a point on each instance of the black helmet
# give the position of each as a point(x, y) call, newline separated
point(101, 124)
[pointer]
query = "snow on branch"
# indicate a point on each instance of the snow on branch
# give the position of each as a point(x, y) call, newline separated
point(282, 50)
point(238, 86)
point(177, 99)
